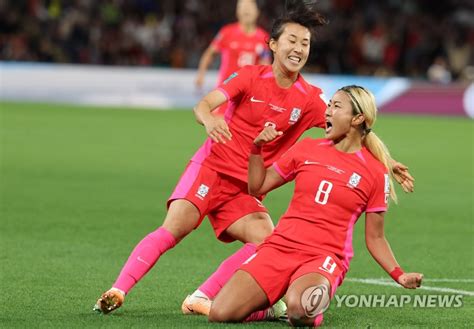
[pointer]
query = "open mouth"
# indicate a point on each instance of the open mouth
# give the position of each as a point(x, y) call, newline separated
point(294, 59)
point(328, 126)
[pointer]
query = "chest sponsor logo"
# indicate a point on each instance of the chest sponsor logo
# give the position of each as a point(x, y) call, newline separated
point(202, 191)
point(329, 167)
point(254, 100)
point(277, 108)
point(336, 170)
point(354, 180)
point(295, 115)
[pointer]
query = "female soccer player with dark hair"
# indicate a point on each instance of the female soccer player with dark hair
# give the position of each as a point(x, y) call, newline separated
point(214, 184)
point(308, 254)
point(239, 44)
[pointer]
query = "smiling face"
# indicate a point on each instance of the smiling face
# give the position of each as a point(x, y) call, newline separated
point(291, 50)
point(341, 117)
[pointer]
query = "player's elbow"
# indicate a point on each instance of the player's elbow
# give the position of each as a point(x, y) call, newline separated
point(254, 191)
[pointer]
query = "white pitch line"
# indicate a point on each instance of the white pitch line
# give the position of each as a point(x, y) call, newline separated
point(424, 280)
point(393, 284)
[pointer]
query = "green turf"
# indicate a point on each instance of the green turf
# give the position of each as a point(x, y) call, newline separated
point(81, 186)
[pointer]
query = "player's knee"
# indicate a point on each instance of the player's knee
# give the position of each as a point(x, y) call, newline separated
point(304, 308)
point(181, 219)
point(296, 313)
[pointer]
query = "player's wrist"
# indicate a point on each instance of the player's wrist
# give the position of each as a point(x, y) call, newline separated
point(256, 149)
point(396, 273)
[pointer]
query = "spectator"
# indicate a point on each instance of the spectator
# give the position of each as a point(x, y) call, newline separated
point(363, 37)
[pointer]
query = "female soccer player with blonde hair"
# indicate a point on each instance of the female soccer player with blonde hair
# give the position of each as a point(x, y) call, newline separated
point(308, 254)
point(214, 184)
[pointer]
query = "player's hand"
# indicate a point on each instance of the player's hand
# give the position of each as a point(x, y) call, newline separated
point(403, 177)
point(217, 129)
point(410, 280)
point(267, 135)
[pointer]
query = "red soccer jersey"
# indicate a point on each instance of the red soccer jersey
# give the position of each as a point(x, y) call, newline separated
point(239, 49)
point(255, 101)
point(332, 189)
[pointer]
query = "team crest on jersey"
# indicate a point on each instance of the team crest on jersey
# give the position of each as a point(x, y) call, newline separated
point(295, 115)
point(202, 191)
point(354, 180)
point(233, 75)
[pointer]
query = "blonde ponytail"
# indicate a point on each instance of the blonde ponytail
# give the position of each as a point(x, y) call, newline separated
point(378, 149)
point(363, 102)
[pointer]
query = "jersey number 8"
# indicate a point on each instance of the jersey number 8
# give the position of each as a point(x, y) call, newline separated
point(322, 195)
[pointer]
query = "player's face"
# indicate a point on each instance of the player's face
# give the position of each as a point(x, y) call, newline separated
point(247, 11)
point(339, 116)
point(292, 47)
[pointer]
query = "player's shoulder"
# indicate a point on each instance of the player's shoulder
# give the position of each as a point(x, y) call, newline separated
point(314, 142)
point(249, 72)
point(260, 70)
point(314, 90)
point(256, 69)
point(309, 88)
point(373, 164)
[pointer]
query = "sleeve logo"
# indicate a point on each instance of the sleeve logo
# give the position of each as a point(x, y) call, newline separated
point(233, 75)
point(387, 183)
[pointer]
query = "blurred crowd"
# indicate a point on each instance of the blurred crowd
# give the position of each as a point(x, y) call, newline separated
point(415, 38)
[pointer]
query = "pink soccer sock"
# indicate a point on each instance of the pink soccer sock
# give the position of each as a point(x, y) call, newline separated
point(318, 320)
point(225, 271)
point(143, 257)
point(257, 316)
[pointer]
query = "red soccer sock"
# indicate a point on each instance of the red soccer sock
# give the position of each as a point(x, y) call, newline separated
point(144, 257)
point(225, 271)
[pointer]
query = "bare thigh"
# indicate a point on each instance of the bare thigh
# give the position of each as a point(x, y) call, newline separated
point(239, 298)
point(254, 228)
point(181, 219)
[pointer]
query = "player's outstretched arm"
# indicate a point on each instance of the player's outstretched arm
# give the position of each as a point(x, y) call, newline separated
point(260, 179)
point(380, 250)
point(206, 60)
point(215, 125)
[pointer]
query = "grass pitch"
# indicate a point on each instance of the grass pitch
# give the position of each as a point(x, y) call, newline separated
point(80, 186)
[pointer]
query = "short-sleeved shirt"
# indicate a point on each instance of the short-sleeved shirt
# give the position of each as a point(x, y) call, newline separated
point(254, 102)
point(239, 49)
point(332, 189)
